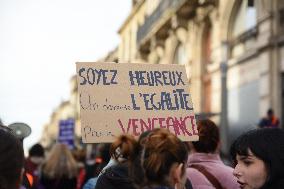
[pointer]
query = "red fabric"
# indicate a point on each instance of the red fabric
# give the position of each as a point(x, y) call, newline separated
point(99, 160)
point(81, 178)
point(30, 179)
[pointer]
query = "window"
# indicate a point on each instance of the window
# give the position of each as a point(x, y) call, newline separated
point(245, 18)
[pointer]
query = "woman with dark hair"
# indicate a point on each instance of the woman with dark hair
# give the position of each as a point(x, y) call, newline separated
point(259, 159)
point(93, 171)
point(164, 161)
point(205, 167)
point(33, 163)
point(11, 159)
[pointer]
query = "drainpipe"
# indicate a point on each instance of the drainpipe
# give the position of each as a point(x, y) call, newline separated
point(224, 100)
point(275, 70)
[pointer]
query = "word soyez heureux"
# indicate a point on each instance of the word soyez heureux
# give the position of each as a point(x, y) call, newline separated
point(93, 76)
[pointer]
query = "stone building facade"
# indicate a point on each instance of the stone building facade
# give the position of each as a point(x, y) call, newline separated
point(232, 50)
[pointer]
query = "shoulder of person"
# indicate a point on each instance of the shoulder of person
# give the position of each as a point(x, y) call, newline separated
point(119, 170)
point(115, 173)
point(156, 187)
point(115, 177)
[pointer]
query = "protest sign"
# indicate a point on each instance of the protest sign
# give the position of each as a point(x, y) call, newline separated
point(132, 98)
point(66, 132)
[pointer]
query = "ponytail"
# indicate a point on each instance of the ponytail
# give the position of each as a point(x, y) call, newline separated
point(162, 150)
point(124, 148)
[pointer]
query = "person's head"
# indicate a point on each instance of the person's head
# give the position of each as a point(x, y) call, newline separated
point(36, 154)
point(209, 137)
point(36, 150)
point(11, 159)
point(270, 113)
point(123, 148)
point(164, 159)
point(259, 158)
point(60, 162)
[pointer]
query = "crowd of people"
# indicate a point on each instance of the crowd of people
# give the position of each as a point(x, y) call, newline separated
point(156, 160)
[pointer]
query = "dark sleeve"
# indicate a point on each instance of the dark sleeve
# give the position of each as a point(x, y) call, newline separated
point(101, 182)
point(188, 184)
point(72, 183)
point(277, 123)
point(262, 123)
point(45, 181)
point(25, 181)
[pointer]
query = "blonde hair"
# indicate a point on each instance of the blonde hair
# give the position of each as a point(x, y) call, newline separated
point(60, 163)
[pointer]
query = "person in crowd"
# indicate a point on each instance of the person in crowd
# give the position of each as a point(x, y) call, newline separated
point(80, 157)
point(164, 161)
point(115, 174)
point(116, 146)
point(11, 159)
point(205, 167)
point(97, 161)
point(33, 162)
point(259, 159)
point(60, 169)
point(136, 171)
point(270, 121)
point(103, 160)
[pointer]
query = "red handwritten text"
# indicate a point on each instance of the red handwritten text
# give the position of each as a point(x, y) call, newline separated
point(179, 126)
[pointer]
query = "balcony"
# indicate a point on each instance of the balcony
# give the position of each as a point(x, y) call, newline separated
point(162, 13)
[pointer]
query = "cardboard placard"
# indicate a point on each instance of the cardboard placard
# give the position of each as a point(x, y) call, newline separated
point(132, 98)
point(66, 132)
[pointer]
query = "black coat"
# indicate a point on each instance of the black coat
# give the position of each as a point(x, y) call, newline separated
point(188, 185)
point(115, 177)
point(279, 184)
point(58, 183)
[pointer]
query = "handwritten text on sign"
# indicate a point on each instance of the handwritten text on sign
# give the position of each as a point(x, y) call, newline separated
point(133, 98)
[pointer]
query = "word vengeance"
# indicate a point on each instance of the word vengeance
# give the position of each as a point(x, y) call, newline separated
point(178, 125)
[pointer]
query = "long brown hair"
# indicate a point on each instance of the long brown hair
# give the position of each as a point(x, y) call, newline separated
point(60, 163)
point(209, 137)
point(162, 149)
